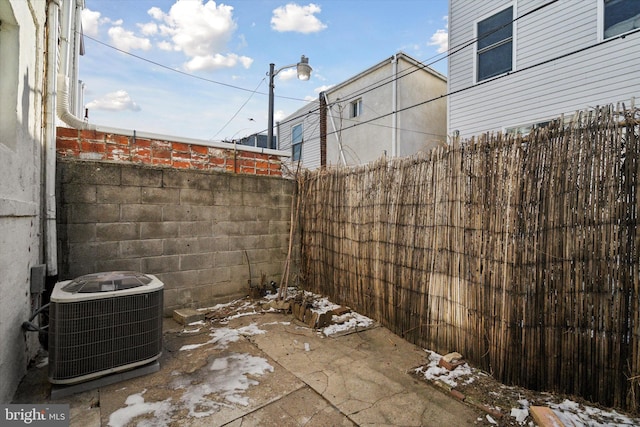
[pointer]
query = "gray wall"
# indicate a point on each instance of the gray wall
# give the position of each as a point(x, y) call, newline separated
point(21, 139)
point(420, 126)
point(189, 228)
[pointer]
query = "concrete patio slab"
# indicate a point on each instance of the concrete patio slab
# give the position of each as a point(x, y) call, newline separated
point(264, 369)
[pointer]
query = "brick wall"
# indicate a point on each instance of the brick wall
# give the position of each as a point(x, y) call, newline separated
point(94, 145)
point(189, 227)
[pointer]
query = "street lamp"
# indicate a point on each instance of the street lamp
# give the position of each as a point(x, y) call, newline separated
point(304, 73)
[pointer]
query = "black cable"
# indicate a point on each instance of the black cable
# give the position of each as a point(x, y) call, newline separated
point(239, 109)
point(478, 83)
point(30, 326)
point(450, 52)
point(184, 73)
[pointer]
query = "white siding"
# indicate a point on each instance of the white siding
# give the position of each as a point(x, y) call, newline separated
point(309, 116)
point(602, 73)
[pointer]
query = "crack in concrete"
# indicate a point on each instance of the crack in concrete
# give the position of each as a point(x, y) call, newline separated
point(325, 385)
point(264, 405)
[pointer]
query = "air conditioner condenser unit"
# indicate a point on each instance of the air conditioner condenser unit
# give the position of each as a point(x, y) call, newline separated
point(104, 323)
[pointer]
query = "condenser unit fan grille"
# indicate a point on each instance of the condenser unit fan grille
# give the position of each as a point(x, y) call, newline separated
point(93, 337)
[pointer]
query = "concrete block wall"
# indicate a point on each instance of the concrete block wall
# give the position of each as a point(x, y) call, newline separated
point(194, 229)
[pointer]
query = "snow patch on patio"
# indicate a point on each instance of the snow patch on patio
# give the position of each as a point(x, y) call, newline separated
point(223, 336)
point(136, 406)
point(224, 384)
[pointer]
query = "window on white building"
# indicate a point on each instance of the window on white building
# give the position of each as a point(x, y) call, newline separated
point(356, 108)
point(495, 44)
point(525, 130)
point(620, 16)
point(296, 142)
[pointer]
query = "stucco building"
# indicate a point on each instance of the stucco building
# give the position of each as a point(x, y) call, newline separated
point(394, 108)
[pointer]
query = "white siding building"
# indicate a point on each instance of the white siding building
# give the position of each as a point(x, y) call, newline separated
point(395, 108)
point(518, 63)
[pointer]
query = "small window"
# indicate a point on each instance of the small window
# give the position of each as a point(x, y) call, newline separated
point(495, 44)
point(620, 16)
point(296, 142)
point(525, 130)
point(356, 108)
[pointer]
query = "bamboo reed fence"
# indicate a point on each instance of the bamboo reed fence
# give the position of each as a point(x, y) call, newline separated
point(522, 254)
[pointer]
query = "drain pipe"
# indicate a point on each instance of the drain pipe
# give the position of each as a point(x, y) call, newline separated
point(67, 32)
point(394, 106)
point(335, 132)
point(57, 103)
point(50, 244)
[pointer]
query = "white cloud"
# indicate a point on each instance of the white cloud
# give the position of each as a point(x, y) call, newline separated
point(201, 31)
point(441, 37)
point(195, 28)
point(279, 115)
point(323, 88)
point(126, 40)
point(217, 61)
point(148, 29)
point(90, 22)
point(156, 13)
point(114, 101)
point(165, 45)
point(288, 74)
point(301, 19)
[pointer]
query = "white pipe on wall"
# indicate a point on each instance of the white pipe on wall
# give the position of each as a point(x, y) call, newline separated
point(335, 132)
point(64, 71)
point(50, 244)
point(59, 18)
point(394, 106)
point(64, 112)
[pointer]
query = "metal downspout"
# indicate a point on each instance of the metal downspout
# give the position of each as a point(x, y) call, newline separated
point(394, 106)
point(64, 72)
point(335, 132)
point(51, 249)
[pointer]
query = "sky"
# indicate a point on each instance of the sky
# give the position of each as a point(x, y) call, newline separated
point(198, 68)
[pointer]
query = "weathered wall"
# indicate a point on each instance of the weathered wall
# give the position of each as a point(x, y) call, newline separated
point(21, 139)
point(193, 229)
point(157, 150)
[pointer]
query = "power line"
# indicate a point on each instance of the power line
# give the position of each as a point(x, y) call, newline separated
point(372, 86)
point(239, 109)
point(423, 65)
point(547, 61)
point(450, 52)
point(166, 67)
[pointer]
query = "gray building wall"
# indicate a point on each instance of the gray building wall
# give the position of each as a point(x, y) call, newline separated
point(21, 141)
point(537, 90)
point(421, 115)
point(192, 229)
